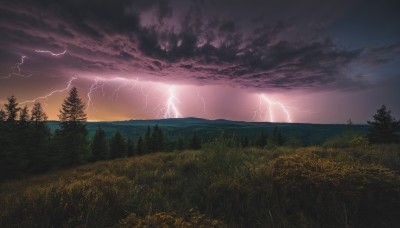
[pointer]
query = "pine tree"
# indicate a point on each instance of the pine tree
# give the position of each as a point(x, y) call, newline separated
point(384, 128)
point(12, 155)
point(117, 146)
point(130, 148)
point(39, 141)
point(245, 142)
point(179, 145)
point(99, 145)
point(12, 109)
point(72, 133)
point(148, 144)
point(139, 146)
point(195, 143)
point(157, 140)
point(262, 139)
point(38, 116)
point(3, 115)
point(24, 116)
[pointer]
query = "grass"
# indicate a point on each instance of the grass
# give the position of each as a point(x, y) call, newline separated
point(218, 186)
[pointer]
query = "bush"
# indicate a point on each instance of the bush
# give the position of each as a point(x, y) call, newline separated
point(346, 140)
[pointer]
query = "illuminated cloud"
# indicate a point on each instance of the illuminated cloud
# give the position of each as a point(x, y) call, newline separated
point(260, 47)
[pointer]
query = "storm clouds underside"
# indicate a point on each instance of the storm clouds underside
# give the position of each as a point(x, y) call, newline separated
point(274, 47)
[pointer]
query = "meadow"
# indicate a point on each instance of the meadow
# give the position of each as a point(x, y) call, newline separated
point(221, 185)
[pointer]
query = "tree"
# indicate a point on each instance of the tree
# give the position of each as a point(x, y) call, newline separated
point(139, 146)
point(384, 128)
point(262, 139)
point(12, 109)
point(157, 140)
point(195, 143)
point(130, 148)
point(99, 145)
point(12, 154)
point(277, 138)
point(39, 141)
point(38, 116)
point(3, 115)
point(179, 145)
point(72, 133)
point(147, 141)
point(245, 142)
point(24, 116)
point(117, 146)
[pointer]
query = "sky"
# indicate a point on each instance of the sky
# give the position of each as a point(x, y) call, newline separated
point(304, 61)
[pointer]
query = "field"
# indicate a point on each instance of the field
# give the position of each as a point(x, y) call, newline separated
point(220, 185)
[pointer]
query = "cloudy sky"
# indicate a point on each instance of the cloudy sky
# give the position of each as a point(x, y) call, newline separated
point(253, 60)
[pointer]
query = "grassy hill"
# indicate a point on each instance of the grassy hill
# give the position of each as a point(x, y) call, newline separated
point(216, 187)
point(309, 134)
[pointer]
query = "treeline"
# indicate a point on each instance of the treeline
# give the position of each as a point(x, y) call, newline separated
point(28, 146)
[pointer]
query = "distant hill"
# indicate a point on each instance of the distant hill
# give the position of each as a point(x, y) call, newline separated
point(310, 134)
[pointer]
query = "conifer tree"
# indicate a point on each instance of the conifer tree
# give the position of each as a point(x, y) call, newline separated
point(3, 115)
point(130, 148)
point(148, 144)
point(72, 133)
point(12, 156)
point(139, 146)
point(262, 139)
point(39, 141)
point(99, 145)
point(195, 143)
point(384, 128)
point(12, 109)
point(117, 146)
point(24, 116)
point(179, 145)
point(157, 140)
point(38, 116)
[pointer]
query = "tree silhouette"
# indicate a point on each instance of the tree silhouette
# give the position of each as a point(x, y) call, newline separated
point(24, 116)
point(157, 140)
point(117, 146)
point(139, 146)
point(3, 115)
point(130, 148)
point(12, 109)
point(39, 141)
point(12, 155)
point(148, 144)
point(195, 143)
point(38, 116)
point(262, 139)
point(384, 128)
point(99, 145)
point(72, 133)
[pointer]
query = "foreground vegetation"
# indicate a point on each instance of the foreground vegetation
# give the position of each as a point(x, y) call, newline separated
point(220, 185)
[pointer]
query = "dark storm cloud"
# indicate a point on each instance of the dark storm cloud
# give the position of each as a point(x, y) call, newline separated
point(256, 45)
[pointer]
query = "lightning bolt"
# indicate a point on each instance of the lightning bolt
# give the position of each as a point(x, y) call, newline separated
point(268, 115)
point(69, 83)
point(203, 102)
point(17, 69)
point(92, 88)
point(51, 53)
point(172, 110)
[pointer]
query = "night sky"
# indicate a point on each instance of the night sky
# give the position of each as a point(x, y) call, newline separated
point(253, 60)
